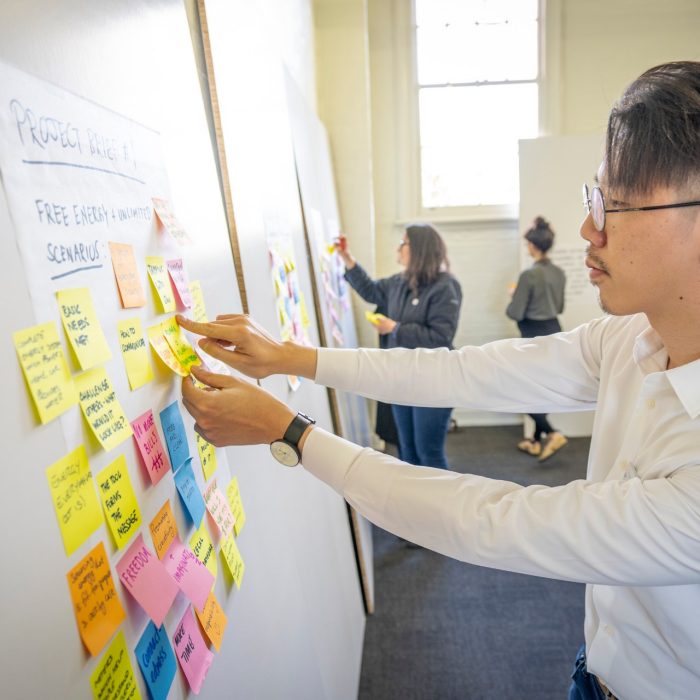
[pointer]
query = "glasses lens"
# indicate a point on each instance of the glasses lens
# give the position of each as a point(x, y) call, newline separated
point(598, 208)
point(586, 199)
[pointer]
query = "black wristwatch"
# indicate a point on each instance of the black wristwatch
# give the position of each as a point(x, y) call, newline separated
point(286, 450)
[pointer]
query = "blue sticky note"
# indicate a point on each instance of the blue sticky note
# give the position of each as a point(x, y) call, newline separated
point(189, 492)
point(157, 660)
point(175, 436)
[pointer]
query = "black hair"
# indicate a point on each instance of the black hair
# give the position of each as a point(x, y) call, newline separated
point(428, 255)
point(540, 234)
point(653, 135)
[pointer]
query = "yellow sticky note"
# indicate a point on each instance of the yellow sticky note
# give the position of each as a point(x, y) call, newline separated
point(162, 349)
point(82, 327)
point(373, 318)
point(199, 310)
point(305, 320)
point(46, 370)
point(234, 500)
point(119, 501)
point(102, 409)
point(213, 620)
point(182, 350)
point(73, 493)
point(207, 455)
point(160, 279)
point(163, 529)
point(203, 548)
point(113, 678)
point(134, 352)
point(233, 559)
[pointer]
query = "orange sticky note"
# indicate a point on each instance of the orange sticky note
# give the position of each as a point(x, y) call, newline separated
point(213, 620)
point(96, 604)
point(172, 225)
point(127, 274)
point(163, 529)
point(161, 283)
point(163, 350)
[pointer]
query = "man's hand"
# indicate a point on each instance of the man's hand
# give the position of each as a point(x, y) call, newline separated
point(385, 325)
point(244, 345)
point(234, 411)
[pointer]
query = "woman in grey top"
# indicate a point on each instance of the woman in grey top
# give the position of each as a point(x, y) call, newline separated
point(537, 299)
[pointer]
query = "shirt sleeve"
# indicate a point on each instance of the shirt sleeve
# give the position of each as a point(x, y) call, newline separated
point(558, 532)
point(372, 291)
point(521, 297)
point(558, 372)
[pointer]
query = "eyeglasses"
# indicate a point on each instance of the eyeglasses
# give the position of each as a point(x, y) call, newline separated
point(402, 243)
point(595, 204)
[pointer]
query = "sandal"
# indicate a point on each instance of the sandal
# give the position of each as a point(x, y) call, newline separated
point(532, 447)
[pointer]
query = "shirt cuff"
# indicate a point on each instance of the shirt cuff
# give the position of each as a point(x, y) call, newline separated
point(329, 457)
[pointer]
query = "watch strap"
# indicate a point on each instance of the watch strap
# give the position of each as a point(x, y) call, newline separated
point(296, 429)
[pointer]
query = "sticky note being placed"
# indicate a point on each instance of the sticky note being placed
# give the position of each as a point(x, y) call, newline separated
point(150, 447)
point(157, 660)
point(96, 604)
point(373, 318)
point(175, 437)
point(146, 579)
point(134, 352)
point(101, 408)
point(82, 327)
point(180, 346)
point(189, 492)
point(191, 576)
point(207, 455)
point(119, 501)
point(233, 559)
point(218, 508)
point(236, 504)
point(199, 310)
point(181, 282)
point(192, 651)
point(171, 224)
point(163, 529)
point(213, 620)
point(127, 273)
point(161, 283)
point(46, 370)
point(203, 548)
point(74, 498)
point(113, 678)
point(163, 350)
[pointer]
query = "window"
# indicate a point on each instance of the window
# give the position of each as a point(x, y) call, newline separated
point(477, 72)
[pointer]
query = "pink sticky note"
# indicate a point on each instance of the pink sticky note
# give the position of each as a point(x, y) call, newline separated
point(193, 578)
point(151, 448)
point(219, 509)
point(181, 282)
point(145, 577)
point(192, 651)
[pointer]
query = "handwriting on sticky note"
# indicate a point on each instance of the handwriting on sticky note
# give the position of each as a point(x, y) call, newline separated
point(191, 650)
point(213, 620)
point(181, 348)
point(119, 501)
point(158, 274)
point(147, 580)
point(101, 408)
point(175, 436)
point(74, 499)
point(163, 529)
point(157, 660)
point(191, 576)
point(171, 224)
point(203, 548)
point(113, 677)
point(82, 327)
point(207, 456)
point(45, 368)
point(134, 352)
point(163, 350)
point(150, 447)
point(98, 610)
point(181, 282)
point(199, 309)
point(219, 510)
point(127, 275)
point(233, 559)
point(189, 492)
point(233, 495)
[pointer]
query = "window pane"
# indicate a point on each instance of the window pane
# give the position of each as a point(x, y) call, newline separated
point(469, 142)
point(434, 12)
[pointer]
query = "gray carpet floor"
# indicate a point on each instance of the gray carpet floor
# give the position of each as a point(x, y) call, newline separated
point(444, 629)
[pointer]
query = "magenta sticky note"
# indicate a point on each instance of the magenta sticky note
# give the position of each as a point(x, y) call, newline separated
point(181, 282)
point(191, 576)
point(146, 578)
point(192, 651)
point(150, 446)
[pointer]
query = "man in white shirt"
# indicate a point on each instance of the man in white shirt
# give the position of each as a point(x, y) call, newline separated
point(631, 530)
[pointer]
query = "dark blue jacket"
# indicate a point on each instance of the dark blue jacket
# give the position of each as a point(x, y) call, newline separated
point(429, 322)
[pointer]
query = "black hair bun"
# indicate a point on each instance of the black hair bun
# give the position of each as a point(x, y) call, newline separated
point(541, 222)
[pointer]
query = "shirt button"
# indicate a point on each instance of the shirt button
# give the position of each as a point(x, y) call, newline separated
point(651, 403)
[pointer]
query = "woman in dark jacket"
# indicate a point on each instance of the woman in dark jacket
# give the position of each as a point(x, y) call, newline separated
point(420, 308)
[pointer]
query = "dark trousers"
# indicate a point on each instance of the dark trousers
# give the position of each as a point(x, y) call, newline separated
point(530, 329)
point(584, 685)
point(422, 433)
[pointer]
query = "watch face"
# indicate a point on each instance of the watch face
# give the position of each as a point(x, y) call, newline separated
point(284, 453)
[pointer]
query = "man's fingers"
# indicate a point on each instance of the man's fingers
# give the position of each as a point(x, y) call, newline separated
point(217, 381)
point(219, 351)
point(216, 331)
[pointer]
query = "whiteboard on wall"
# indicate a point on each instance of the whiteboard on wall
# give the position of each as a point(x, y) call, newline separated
point(299, 609)
point(552, 172)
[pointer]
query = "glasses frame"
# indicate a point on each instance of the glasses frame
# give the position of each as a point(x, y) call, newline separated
point(600, 226)
point(402, 243)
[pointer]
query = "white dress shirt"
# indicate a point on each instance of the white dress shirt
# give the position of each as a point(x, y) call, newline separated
point(630, 530)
